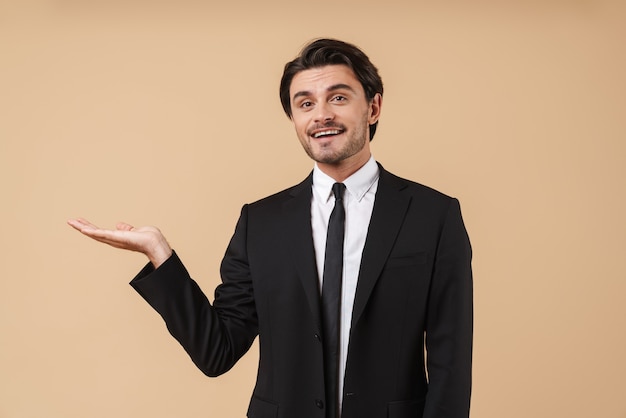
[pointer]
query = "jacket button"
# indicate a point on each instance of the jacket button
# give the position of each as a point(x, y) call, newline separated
point(317, 337)
point(319, 403)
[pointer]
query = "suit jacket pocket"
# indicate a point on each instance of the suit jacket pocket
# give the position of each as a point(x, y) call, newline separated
point(406, 260)
point(406, 409)
point(260, 408)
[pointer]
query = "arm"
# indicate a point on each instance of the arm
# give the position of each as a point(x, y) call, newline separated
point(215, 337)
point(449, 324)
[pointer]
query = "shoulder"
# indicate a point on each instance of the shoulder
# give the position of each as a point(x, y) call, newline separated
point(301, 189)
point(425, 205)
point(391, 181)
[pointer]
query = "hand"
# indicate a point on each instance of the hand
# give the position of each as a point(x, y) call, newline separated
point(146, 239)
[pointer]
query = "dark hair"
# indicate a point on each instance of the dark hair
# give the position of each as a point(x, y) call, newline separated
point(322, 52)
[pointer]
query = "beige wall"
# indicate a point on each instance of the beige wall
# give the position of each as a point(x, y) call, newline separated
point(169, 115)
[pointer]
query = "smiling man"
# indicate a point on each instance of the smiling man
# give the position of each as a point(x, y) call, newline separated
point(347, 278)
point(332, 115)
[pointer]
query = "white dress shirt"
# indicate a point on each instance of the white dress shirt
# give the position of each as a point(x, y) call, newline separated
point(358, 202)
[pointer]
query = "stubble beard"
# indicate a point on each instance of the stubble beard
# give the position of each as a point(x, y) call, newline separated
point(328, 154)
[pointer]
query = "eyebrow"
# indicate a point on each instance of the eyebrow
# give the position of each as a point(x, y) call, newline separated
point(329, 89)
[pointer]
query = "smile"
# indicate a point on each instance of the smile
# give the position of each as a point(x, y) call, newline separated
point(326, 132)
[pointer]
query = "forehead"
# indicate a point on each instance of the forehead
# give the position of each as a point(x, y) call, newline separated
point(319, 79)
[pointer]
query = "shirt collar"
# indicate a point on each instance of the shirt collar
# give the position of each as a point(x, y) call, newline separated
point(357, 185)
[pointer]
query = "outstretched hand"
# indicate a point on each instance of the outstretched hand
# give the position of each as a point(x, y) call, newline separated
point(146, 239)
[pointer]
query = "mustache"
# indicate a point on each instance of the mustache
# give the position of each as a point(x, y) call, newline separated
point(328, 125)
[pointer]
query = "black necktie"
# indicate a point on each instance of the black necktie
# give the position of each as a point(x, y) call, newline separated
point(331, 300)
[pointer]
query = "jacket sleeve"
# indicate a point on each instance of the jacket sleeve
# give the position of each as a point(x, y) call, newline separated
point(215, 336)
point(449, 324)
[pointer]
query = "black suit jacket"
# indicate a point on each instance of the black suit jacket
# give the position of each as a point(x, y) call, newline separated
point(414, 292)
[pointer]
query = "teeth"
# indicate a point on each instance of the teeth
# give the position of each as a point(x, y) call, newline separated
point(328, 132)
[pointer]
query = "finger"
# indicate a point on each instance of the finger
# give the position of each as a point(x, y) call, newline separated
point(116, 243)
point(73, 223)
point(88, 224)
point(80, 224)
point(123, 226)
point(118, 239)
point(108, 234)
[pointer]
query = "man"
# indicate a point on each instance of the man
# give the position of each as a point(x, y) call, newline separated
point(345, 288)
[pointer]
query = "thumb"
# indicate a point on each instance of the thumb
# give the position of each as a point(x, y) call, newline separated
point(122, 226)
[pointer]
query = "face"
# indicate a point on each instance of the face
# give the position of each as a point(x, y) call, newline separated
point(331, 115)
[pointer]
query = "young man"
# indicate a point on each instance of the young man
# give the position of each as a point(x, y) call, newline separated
point(345, 288)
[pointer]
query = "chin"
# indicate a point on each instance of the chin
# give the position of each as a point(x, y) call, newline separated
point(328, 159)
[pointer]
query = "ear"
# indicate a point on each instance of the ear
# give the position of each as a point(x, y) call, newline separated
point(374, 109)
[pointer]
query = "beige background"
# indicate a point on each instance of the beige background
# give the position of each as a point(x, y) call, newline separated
point(167, 113)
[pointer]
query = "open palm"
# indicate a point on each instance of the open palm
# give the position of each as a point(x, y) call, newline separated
point(146, 239)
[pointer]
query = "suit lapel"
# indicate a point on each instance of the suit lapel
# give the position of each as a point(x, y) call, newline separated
point(388, 214)
point(297, 215)
point(390, 208)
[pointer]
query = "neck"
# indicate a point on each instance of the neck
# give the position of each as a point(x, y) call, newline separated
point(344, 169)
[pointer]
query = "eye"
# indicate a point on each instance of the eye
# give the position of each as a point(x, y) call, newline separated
point(306, 104)
point(339, 98)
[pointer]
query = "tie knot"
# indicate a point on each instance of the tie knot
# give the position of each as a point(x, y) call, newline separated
point(338, 189)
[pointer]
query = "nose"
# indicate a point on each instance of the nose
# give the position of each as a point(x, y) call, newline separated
point(324, 113)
